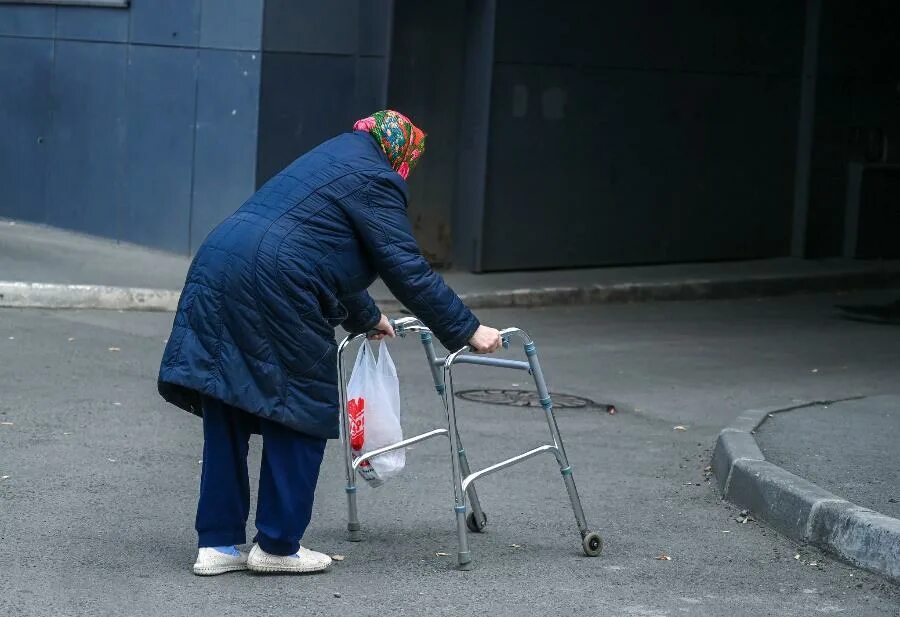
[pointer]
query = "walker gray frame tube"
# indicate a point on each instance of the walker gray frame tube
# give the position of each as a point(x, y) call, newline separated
point(463, 477)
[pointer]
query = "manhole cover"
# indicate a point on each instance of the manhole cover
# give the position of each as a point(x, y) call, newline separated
point(528, 398)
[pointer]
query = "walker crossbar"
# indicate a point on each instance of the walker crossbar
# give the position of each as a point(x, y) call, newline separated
point(497, 362)
point(507, 463)
point(463, 478)
point(397, 446)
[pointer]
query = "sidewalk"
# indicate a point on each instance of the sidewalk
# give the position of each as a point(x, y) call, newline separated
point(813, 443)
point(39, 254)
point(821, 472)
point(51, 268)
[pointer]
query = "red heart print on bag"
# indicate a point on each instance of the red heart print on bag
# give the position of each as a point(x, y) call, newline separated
point(355, 409)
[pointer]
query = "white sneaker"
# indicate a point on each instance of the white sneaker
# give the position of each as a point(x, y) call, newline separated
point(212, 561)
point(304, 560)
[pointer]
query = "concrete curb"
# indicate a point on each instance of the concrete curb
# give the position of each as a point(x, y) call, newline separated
point(686, 289)
point(55, 296)
point(59, 296)
point(798, 508)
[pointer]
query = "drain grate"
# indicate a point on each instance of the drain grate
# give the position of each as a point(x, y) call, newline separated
point(529, 398)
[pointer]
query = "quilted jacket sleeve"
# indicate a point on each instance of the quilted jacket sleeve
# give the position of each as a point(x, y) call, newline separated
point(362, 314)
point(383, 225)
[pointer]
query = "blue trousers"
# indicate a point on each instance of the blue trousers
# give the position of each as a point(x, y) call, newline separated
point(287, 480)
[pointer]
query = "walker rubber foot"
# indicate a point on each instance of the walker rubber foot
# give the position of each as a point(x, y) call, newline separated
point(465, 561)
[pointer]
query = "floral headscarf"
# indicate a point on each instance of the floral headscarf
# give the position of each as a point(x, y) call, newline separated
point(401, 140)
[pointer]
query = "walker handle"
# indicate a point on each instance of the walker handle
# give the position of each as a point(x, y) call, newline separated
point(399, 325)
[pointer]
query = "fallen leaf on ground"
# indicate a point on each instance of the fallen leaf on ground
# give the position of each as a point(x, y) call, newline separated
point(114, 349)
point(664, 557)
point(679, 428)
point(441, 554)
point(338, 557)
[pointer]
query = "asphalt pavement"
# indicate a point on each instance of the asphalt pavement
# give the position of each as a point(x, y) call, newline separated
point(98, 506)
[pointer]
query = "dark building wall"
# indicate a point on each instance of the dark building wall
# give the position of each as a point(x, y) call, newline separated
point(857, 116)
point(629, 132)
point(139, 124)
point(560, 134)
point(324, 66)
point(426, 83)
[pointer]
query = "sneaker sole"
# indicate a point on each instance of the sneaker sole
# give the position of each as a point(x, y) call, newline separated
point(214, 570)
point(273, 569)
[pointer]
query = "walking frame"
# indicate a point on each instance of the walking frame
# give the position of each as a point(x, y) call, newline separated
point(463, 478)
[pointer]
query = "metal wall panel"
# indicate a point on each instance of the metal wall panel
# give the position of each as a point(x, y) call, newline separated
point(87, 147)
point(311, 26)
point(374, 16)
point(370, 77)
point(165, 22)
point(17, 20)
point(119, 122)
point(597, 166)
point(25, 66)
point(231, 24)
point(743, 37)
point(426, 80)
point(323, 68)
point(92, 24)
point(621, 134)
point(225, 151)
point(159, 117)
point(305, 99)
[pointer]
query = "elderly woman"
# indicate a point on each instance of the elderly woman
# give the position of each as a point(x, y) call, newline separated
point(252, 348)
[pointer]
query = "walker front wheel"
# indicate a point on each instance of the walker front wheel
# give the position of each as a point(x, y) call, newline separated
point(592, 544)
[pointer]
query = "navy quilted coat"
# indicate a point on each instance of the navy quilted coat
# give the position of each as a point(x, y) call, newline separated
point(255, 323)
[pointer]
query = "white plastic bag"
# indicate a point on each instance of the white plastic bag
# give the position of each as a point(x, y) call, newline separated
point(373, 404)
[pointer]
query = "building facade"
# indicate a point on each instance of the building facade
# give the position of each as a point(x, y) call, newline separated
point(561, 134)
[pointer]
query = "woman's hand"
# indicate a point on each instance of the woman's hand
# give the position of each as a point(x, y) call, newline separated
point(383, 329)
point(485, 340)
